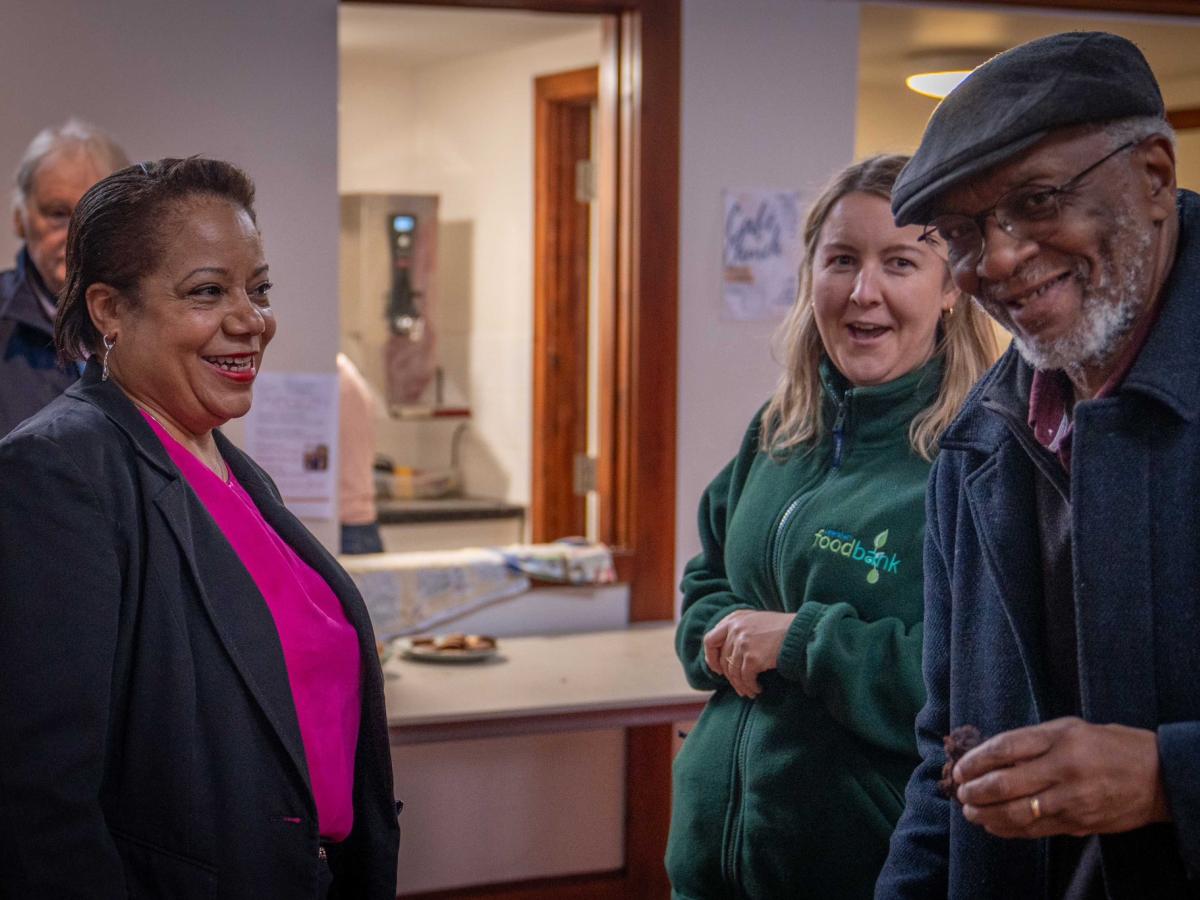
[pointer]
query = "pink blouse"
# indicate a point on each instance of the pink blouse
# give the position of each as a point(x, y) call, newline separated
point(320, 647)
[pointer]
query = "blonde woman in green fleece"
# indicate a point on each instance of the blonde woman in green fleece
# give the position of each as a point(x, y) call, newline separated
point(803, 611)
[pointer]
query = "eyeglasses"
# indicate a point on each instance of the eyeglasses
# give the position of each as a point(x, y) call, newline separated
point(55, 218)
point(1027, 213)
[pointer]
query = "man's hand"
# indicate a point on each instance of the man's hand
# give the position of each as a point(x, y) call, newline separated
point(1063, 777)
point(744, 644)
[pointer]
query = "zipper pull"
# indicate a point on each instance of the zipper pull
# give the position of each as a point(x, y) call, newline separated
point(839, 430)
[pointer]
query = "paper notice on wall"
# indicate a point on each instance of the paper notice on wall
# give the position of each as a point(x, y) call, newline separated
point(291, 431)
point(762, 253)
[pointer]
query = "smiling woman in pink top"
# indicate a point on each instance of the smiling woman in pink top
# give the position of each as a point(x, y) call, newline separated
point(192, 700)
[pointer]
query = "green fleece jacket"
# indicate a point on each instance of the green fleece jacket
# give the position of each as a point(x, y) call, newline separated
point(794, 794)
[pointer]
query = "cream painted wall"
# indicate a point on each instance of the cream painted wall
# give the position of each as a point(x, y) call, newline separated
point(768, 99)
point(464, 130)
point(254, 83)
point(376, 110)
point(890, 120)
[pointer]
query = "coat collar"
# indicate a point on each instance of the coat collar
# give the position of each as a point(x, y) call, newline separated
point(878, 413)
point(977, 428)
point(24, 305)
point(1001, 502)
point(1165, 369)
point(111, 400)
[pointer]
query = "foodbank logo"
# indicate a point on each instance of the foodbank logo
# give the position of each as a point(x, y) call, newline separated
point(842, 544)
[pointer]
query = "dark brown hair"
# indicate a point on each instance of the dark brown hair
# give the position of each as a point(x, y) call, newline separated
point(117, 234)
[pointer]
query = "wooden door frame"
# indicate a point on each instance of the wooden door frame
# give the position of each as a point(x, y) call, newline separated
point(563, 133)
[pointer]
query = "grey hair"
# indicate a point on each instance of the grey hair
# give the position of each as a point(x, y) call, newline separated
point(1136, 128)
point(100, 148)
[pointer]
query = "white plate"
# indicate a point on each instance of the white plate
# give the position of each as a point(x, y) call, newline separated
point(429, 653)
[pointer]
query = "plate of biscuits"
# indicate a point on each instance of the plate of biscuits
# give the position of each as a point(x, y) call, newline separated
point(449, 648)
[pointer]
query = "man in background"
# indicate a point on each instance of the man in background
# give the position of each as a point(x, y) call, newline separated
point(57, 168)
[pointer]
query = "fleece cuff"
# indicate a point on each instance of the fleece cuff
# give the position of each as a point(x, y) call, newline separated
point(793, 655)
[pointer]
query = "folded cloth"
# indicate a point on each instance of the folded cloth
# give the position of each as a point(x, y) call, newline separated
point(408, 593)
point(568, 561)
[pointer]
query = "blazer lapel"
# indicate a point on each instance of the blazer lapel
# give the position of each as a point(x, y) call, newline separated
point(299, 538)
point(1114, 601)
point(1001, 499)
point(373, 753)
point(238, 612)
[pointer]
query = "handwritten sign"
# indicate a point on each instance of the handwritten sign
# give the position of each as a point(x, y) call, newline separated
point(762, 253)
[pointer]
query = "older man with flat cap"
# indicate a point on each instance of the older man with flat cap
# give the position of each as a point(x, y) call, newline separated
point(1062, 561)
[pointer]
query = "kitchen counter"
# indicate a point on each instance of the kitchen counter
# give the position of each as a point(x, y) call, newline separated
point(537, 685)
point(447, 509)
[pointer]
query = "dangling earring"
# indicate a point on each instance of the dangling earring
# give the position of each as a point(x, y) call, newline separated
point(109, 343)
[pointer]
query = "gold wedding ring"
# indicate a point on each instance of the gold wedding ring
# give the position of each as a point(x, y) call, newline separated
point(1035, 807)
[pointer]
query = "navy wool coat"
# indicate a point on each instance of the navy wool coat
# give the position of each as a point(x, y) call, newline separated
point(149, 746)
point(1135, 494)
point(30, 373)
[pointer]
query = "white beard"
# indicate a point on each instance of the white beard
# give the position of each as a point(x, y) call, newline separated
point(1108, 310)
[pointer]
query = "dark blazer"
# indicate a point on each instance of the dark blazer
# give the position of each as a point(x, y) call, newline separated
point(1135, 483)
point(30, 373)
point(149, 746)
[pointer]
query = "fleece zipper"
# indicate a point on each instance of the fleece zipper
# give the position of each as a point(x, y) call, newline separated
point(838, 431)
point(774, 560)
point(775, 547)
point(733, 826)
point(733, 830)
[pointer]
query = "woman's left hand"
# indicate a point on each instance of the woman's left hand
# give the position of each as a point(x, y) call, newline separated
point(744, 644)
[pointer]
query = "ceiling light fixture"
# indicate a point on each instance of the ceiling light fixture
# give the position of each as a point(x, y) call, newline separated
point(938, 70)
point(936, 84)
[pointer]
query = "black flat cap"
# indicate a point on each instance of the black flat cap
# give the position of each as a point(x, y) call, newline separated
point(1014, 100)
